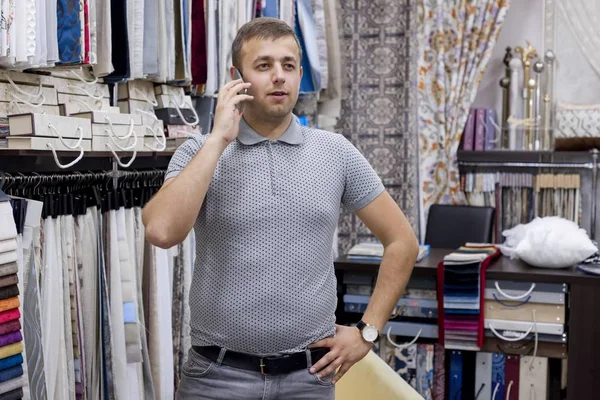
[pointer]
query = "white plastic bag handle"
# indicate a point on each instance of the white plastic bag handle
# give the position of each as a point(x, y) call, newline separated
point(118, 160)
point(519, 297)
point(64, 166)
point(77, 145)
point(112, 129)
point(508, 339)
point(402, 346)
point(177, 108)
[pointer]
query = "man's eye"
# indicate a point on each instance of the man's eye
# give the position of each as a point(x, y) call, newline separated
point(263, 66)
point(290, 66)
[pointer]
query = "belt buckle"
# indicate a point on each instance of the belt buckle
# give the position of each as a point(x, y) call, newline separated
point(262, 366)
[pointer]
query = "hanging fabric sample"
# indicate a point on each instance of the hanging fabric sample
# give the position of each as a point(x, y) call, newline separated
point(119, 42)
point(104, 38)
point(70, 35)
point(198, 45)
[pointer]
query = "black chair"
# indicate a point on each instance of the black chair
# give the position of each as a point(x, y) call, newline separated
point(449, 227)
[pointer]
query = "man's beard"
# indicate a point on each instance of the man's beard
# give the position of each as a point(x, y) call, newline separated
point(272, 113)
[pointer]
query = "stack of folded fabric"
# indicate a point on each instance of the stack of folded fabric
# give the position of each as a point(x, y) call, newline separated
point(461, 285)
point(11, 339)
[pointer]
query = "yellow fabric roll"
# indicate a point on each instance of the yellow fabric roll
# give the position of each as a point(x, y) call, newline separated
point(9, 304)
point(372, 378)
point(11, 350)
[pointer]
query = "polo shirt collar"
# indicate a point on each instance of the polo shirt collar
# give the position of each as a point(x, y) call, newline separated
point(292, 135)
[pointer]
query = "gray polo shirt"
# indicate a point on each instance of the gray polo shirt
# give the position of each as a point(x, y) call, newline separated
point(264, 281)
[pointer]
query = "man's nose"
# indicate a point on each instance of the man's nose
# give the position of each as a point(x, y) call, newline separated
point(278, 75)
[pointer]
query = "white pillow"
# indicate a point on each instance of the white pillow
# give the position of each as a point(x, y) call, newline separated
point(554, 242)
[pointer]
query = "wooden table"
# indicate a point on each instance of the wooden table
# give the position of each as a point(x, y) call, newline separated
point(583, 321)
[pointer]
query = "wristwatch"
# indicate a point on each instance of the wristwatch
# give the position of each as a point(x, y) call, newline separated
point(369, 332)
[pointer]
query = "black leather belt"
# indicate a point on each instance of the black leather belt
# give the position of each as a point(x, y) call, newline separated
point(274, 365)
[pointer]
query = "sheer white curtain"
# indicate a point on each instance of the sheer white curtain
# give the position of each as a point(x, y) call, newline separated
point(582, 17)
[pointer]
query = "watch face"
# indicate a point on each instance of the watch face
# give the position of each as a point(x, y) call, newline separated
point(370, 333)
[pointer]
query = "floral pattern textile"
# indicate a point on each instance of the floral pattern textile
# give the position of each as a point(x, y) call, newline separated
point(456, 39)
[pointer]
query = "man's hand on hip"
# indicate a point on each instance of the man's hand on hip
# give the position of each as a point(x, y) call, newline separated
point(346, 348)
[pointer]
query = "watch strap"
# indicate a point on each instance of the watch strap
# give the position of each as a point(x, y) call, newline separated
point(361, 325)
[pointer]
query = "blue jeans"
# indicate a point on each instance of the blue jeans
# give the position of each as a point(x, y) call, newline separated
point(202, 378)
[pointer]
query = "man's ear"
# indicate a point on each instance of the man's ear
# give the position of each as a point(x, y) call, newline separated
point(301, 72)
point(232, 72)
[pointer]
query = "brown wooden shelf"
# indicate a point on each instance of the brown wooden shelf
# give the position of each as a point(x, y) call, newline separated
point(504, 268)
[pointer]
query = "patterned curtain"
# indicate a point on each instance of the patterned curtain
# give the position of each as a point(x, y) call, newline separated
point(456, 39)
point(378, 115)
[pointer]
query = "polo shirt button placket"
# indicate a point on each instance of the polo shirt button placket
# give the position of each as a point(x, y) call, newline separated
point(272, 167)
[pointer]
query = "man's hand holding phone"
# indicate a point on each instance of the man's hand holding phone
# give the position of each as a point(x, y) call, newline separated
point(227, 114)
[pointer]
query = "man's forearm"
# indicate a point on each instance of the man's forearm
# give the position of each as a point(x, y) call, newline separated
point(396, 266)
point(171, 213)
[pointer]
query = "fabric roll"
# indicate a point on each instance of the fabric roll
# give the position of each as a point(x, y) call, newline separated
point(212, 55)
point(140, 243)
point(11, 326)
point(321, 39)
point(306, 31)
point(20, 23)
point(15, 335)
point(176, 314)
point(12, 395)
point(9, 291)
point(10, 385)
point(11, 373)
point(67, 230)
point(11, 350)
point(8, 245)
point(41, 45)
point(120, 42)
point(125, 224)
point(160, 340)
point(9, 304)
point(189, 252)
point(32, 329)
point(10, 338)
point(31, 30)
point(108, 386)
point(170, 38)
point(7, 230)
point(10, 315)
point(135, 32)
point(87, 240)
point(178, 28)
point(199, 60)
point(93, 51)
point(119, 358)
point(11, 361)
point(10, 267)
point(8, 280)
point(51, 31)
point(8, 263)
point(150, 38)
point(53, 335)
point(227, 31)
point(103, 38)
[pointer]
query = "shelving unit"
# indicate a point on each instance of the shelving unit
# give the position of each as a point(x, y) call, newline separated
point(26, 161)
point(586, 163)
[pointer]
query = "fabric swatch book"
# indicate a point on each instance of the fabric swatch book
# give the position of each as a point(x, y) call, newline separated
point(373, 251)
point(461, 290)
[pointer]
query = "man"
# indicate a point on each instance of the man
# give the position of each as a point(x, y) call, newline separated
point(264, 195)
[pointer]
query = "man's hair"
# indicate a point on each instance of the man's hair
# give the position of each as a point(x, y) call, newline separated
point(261, 28)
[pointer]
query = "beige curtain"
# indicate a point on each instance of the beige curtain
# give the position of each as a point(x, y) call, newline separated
point(456, 39)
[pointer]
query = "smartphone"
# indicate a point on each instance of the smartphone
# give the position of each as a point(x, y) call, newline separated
point(238, 75)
